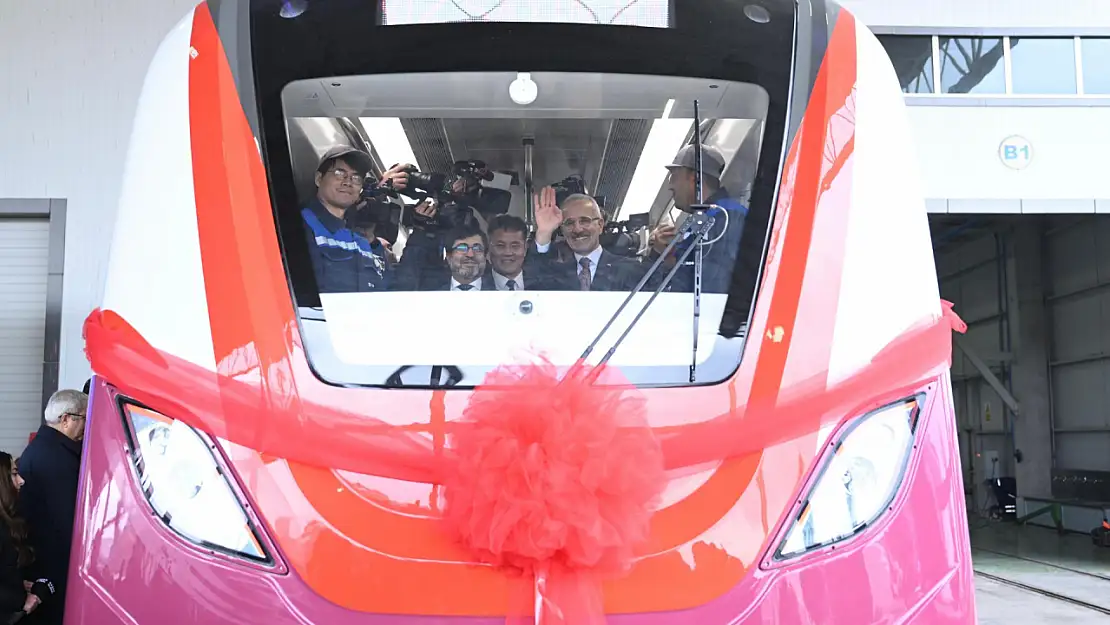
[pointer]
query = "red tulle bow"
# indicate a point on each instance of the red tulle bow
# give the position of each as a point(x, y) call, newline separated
point(555, 480)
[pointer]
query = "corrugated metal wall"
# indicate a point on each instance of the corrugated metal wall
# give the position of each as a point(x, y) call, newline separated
point(972, 275)
point(1077, 259)
point(981, 272)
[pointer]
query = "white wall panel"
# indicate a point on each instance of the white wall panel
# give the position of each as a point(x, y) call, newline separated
point(958, 154)
point(71, 73)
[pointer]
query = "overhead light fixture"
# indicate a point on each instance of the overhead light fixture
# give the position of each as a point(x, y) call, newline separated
point(666, 138)
point(523, 90)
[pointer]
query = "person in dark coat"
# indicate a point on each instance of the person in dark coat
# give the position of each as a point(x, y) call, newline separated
point(50, 466)
point(18, 596)
point(590, 267)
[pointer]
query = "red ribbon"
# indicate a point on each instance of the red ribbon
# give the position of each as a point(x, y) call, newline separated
point(555, 481)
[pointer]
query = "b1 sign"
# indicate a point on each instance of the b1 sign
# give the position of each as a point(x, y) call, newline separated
point(1015, 152)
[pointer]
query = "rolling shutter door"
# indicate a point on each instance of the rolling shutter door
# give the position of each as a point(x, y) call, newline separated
point(23, 275)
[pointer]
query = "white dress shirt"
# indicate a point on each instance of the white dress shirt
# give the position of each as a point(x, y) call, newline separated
point(594, 256)
point(477, 284)
point(501, 282)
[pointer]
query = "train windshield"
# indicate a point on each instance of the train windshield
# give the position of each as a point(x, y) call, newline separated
point(464, 220)
point(458, 190)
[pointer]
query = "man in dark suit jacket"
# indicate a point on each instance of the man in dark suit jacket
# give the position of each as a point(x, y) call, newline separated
point(511, 265)
point(589, 267)
point(50, 468)
point(467, 247)
point(465, 267)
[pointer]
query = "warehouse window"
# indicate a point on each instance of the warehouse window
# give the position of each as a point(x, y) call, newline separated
point(994, 67)
point(1043, 66)
point(972, 65)
point(913, 61)
point(1096, 60)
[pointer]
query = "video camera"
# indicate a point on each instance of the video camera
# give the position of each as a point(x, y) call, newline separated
point(623, 237)
point(571, 185)
point(453, 201)
point(377, 213)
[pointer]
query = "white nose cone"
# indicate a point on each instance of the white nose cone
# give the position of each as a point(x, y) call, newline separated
point(523, 90)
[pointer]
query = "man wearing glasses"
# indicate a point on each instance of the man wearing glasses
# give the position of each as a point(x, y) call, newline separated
point(343, 261)
point(49, 467)
point(592, 268)
point(467, 247)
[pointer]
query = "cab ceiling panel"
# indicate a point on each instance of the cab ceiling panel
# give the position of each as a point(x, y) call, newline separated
point(562, 147)
point(487, 95)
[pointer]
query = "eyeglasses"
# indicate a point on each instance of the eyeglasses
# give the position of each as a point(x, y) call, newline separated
point(76, 415)
point(584, 222)
point(343, 175)
point(463, 248)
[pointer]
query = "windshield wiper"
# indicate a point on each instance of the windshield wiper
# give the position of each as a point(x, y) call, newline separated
point(697, 226)
point(454, 376)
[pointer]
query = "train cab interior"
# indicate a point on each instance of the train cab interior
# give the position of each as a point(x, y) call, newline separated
point(507, 136)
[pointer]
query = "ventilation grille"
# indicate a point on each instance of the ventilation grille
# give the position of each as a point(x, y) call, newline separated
point(429, 144)
point(622, 152)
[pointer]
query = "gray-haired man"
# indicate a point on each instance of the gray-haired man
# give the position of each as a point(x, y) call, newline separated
point(50, 466)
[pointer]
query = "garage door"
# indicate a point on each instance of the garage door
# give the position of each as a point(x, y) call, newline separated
point(23, 272)
point(1078, 268)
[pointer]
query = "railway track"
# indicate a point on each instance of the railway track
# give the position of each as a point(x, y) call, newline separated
point(1042, 563)
point(1044, 592)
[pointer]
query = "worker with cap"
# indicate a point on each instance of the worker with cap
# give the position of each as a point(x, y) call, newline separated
point(723, 239)
point(343, 260)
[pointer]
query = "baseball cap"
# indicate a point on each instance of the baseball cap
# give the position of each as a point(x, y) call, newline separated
point(358, 158)
point(712, 161)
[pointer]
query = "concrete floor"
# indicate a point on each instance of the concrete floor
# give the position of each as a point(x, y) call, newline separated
point(999, 604)
point(1037, 558)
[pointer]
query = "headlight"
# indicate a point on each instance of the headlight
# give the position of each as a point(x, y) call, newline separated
point(184, 484)
point(858, 482)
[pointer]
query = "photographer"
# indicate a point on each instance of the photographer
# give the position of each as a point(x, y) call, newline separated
point(342, 260)
point(449, 202)
point(458, 198)
point(365, 217)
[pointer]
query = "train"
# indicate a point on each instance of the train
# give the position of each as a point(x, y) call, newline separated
point(746, 420)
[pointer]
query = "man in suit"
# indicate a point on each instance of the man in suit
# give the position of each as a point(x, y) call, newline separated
point(589, 267)
point(512, 268)
point(467, 247)
point(508, 252)
point(50, 468)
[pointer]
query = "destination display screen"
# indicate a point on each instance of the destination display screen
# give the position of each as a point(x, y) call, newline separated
point(644, 13)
